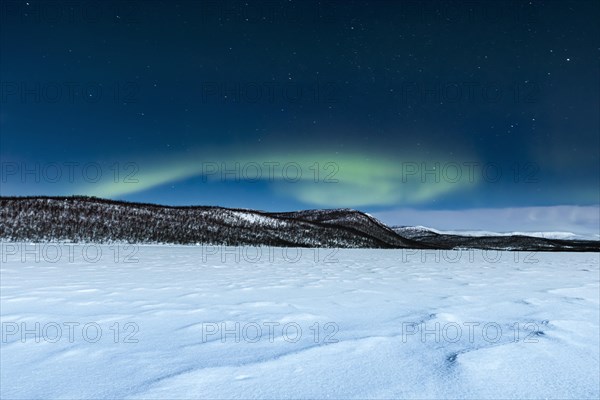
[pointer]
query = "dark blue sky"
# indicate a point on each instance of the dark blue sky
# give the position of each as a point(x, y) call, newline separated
point(378, 105)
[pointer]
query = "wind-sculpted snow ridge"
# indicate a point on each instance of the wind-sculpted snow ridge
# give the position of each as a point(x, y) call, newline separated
point(437, 239)
point(87, 219)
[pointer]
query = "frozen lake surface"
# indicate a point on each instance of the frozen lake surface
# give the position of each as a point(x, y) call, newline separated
point(188, 322)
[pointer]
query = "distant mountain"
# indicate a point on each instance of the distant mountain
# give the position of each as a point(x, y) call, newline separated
point(478, 233)
point(492, 241)
point(89, 219)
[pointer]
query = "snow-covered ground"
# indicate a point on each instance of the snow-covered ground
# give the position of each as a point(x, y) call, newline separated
point(207, 322)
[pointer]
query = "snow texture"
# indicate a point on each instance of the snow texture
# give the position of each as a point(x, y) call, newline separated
point(375, 323)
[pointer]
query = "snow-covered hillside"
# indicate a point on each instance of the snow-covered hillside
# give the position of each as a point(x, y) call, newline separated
point(94, 220)
point(85, 219)
point(204, 322)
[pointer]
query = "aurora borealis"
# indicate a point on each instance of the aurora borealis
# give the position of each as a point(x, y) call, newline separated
point(388, 107)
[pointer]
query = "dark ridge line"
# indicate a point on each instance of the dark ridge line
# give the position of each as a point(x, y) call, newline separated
point(274, 215)
point(329, 222)
point(156, 205)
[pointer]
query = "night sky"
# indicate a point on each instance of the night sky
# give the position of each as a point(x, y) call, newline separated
point(465, 115)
